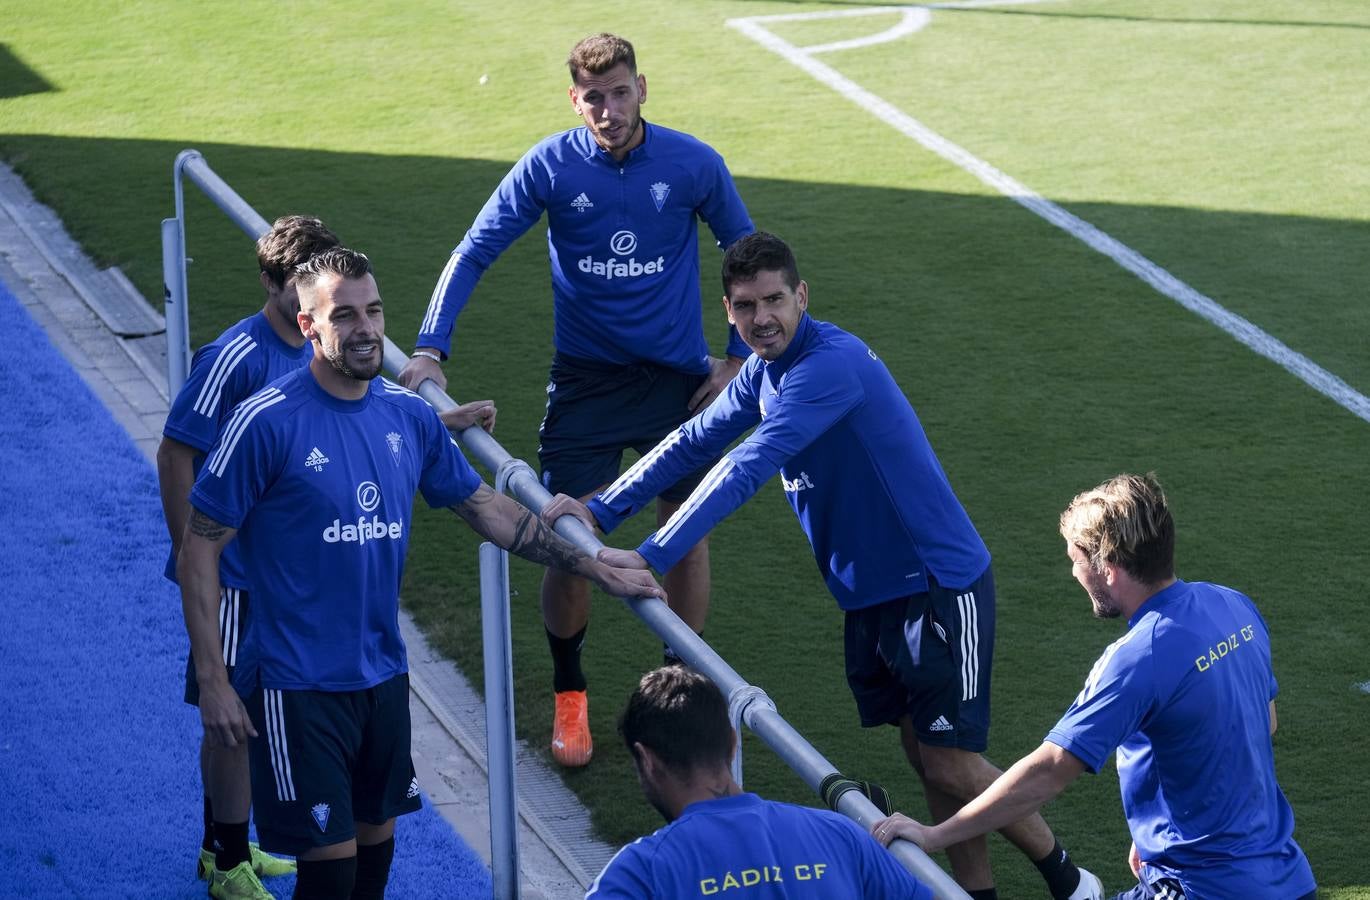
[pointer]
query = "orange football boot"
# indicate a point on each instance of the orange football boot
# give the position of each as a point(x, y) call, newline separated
point(571, 744)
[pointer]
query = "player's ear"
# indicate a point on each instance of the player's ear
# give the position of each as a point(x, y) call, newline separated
point(802, 292)
point(647, 762)
point(642, 89)
point(266, 281)
point(728, 308)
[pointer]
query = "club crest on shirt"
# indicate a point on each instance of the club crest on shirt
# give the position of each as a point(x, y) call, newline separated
point(320, 812)
point(394, 442)
point(659, 191)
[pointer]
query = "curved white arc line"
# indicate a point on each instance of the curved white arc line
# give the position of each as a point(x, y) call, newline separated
point(1245, 332)
point(912, 21)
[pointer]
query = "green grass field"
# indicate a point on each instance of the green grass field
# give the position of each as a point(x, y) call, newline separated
point(1223, 140)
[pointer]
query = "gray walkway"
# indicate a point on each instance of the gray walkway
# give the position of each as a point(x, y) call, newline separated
point(114, 340)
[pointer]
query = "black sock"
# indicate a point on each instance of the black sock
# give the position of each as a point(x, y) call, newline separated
point(207, 842)
point(566, 673)
point(233, 849)
point(325, 879)
point(1059, 872)
point(985, 894)
point(373, 870)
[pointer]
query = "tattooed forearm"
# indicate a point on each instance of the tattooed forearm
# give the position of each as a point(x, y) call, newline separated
point(535, 542)
point(474, 509)
point(518, 530)
point(203, 526)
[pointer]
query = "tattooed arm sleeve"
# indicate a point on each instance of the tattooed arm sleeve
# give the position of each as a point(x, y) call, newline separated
point(518, 530)
point(197, 570)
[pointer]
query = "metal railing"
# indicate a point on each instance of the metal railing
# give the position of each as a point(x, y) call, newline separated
point(747, 703)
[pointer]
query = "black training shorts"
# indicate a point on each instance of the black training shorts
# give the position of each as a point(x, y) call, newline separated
point(323, 761)
point(597, 410)
point(927, 656)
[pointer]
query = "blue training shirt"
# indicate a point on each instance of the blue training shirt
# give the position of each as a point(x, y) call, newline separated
point(760, 849)
point(1184, 697)
point(622, 241)
point(238, 363)
point(853, 460)
point(321, 491)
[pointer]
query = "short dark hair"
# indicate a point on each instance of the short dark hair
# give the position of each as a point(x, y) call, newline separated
point(599, 53)
point(342, 261)
point(291, 241)
point(680, 716)
point(1124, 522)
point(756, 253)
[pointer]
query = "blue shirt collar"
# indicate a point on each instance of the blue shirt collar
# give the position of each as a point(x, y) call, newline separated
point(641, 151)
point(780, 366)
point(1156, 601)
point(721, 804)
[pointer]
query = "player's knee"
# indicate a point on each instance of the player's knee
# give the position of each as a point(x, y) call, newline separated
point(950, 772)
point(565, 584)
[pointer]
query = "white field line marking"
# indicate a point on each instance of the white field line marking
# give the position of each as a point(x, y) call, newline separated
point(1303, 368)
point(910, 21)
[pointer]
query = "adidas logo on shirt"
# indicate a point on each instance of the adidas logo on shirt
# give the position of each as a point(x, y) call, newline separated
point(315, 460)
point(582, 202)
point(941, 725)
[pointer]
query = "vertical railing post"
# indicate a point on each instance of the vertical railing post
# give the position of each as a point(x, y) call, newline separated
point(177, 317)
point(499, 720)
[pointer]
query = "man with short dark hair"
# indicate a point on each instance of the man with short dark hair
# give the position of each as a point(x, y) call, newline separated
point(718, 838)
point(1187, 699)
point(245, 358)
point(622, 196)
point(315, 475)
point(897, 550)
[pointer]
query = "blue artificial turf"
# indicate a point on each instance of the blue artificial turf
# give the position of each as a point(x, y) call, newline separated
point(99, 783)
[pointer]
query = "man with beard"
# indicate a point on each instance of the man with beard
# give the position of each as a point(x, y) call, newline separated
point(622, 196)
point(718, 838)
point(315, 475)
point(1187, 699)
point(245, 358)
point(896, 549)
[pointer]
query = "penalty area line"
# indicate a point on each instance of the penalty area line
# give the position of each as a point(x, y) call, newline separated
point(1162, 281)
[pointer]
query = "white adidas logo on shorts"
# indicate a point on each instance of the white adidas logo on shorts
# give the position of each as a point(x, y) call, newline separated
point(941, 725)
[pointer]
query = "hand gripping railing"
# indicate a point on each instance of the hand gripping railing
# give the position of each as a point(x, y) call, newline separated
point(747, 703)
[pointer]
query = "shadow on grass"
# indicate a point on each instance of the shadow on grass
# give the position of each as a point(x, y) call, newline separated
point(1038, 367)
point(17, 79)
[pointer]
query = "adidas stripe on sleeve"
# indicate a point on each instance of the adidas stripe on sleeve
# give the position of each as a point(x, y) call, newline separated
point(240, 466)
point(512, 209)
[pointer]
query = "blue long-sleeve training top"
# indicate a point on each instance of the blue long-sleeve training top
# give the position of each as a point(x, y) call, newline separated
point(853, 459)
point(622, 241)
